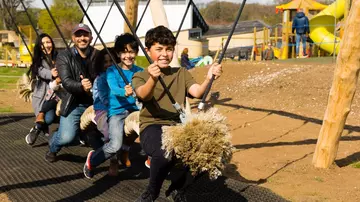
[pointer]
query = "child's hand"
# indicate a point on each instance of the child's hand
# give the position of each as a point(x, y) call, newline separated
point(128, 90)
point(215, 69)
point(154, 70)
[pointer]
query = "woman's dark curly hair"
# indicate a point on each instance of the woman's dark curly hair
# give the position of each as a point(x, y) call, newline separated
point(161, 35)
point(100, 58)
point(123, 40)
point(39, 55)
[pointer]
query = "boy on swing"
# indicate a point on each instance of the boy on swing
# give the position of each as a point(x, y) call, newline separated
point(157, 109)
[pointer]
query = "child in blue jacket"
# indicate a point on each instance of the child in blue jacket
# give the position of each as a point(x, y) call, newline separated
point(121, 103)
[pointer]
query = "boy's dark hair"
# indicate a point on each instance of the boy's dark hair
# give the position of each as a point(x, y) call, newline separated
point(161, 35)
point(123, 40)
point(100, 58)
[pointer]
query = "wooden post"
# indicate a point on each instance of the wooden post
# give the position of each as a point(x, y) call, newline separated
point(347, 8)
point(276, 36)
point(285, 41)
point(253, 54)
point(6, 57)
point(131, 11)
point(159, 18)
point(341, 93)
point(30, 39)
point(264, 40)
point(285, 35)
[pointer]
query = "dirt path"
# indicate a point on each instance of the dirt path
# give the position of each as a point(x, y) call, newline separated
point(275, 113)
point(10, 102)
point(4, 198)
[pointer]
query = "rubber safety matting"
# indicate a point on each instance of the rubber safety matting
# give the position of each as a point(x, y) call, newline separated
point(26, 176)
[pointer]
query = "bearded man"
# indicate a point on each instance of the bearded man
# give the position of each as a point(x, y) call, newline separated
point(75, 67)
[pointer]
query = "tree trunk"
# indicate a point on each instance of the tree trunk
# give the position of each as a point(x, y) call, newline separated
point(11, 5)
point(3, 14)
point(159, 18)
point(4, 24)
point(131, 11)
point(341, 93)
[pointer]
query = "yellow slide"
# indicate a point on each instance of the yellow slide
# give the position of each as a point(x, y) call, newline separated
point(322, 26)
point(277, 53)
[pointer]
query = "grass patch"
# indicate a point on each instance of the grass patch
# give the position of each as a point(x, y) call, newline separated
point(319, 179)
point(6, 109)
point(9, 71)
point(141, 61)
point(8, 82)
point(356, 164)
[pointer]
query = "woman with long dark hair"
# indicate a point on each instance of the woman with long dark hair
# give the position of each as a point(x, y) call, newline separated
point(42, 71)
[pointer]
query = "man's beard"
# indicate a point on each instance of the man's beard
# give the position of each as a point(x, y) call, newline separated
point(83, 49)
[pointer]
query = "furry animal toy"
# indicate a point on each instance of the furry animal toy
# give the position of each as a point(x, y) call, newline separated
point(203, 142)
point(25, 87)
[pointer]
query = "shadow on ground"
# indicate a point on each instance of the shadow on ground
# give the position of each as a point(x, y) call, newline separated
point(26, 176)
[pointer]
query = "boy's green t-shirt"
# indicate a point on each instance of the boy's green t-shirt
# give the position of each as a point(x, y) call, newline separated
point(159, 109)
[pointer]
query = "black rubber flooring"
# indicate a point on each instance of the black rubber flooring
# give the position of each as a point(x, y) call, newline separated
point(26, 176)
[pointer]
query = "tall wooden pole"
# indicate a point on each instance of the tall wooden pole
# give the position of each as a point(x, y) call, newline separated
point(131, 10)
point(347, 8)
point(159, 18)
point(341, 93)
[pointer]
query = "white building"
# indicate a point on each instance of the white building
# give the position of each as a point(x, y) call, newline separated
point(114, 25)
point(195, 34)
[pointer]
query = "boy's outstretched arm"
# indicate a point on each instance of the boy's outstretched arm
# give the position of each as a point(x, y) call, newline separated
point(111, 79)
point(145, 92)
point(197, 90)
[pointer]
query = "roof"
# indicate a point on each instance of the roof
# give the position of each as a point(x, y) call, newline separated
point(7, 31)
point(241, 27)
point(59, 43)
point(198, 20)
point(296, 4)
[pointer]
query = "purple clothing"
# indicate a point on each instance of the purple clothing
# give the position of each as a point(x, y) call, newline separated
point(102, 124)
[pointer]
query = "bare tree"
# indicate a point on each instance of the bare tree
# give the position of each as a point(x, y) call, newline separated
point(12, 5)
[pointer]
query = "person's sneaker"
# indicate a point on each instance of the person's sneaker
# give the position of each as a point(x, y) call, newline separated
point(148, 162)
point(82, 142)
point(50, 157)
point(82, 139)
point(177, 196)
point(142, 152)
point(124, 158)
point(145, 197)
point(32, 136)
point(46, 132)
point(87, 166)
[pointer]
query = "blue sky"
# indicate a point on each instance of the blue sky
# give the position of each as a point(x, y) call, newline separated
point(39, 4)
